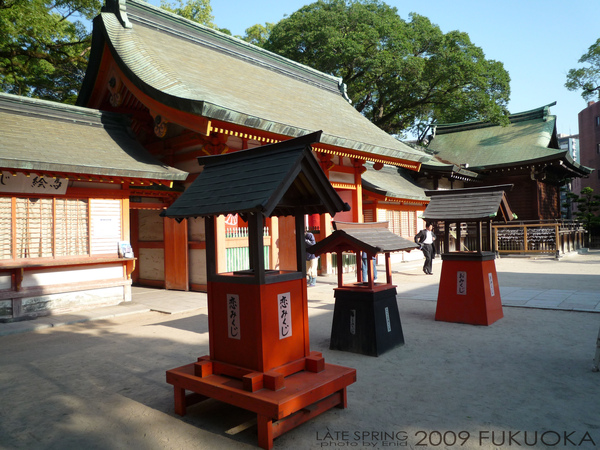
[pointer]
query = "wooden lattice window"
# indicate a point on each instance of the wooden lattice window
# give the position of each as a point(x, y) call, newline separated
point(43, 227)
point(6, 228)
point(34, 229)
point(405, 227)
point(412, 224)
point(72, 227)
point(393, 217)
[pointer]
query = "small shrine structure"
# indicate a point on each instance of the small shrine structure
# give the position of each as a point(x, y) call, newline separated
point(469, 290)
point(258, 319)
point(366, 319)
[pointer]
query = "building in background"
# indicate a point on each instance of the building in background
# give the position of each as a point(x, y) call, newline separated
point(524, 153)
point(589, 140)
point(570, 142)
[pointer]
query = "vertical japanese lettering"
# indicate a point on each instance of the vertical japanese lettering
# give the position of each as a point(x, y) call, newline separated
point(233, 316)
point(285, 315)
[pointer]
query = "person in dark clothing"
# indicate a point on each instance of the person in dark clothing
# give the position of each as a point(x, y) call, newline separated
point(425, 238)
point(365, 269)
point(311, 260)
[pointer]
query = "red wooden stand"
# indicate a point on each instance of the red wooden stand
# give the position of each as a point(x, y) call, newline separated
point(306, 388)
point(469, 290)
point(260, 358)
point(255, 364)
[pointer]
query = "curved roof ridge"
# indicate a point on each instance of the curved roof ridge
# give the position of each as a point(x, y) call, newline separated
point(181, 27)
point(542, 112)
point(201, 71)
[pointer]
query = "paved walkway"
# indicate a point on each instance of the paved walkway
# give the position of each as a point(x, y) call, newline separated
point(571, 283)
point(525, 381)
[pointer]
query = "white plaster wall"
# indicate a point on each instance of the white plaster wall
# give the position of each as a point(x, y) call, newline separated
point(196, 230)
point(152, 263)
point(5, 281)
point(57, 275)
point(234, 142)
point(72, 301)
point(151, 225)
point(341, 177)
point(5, 309)
point(197, 260)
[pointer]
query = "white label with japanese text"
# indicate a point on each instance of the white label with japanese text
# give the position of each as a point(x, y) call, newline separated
point(233, 316)
point(491, 278)
point(461, 283)
point(387, 319)
point(285, 315)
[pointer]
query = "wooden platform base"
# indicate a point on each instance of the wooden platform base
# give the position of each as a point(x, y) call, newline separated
point(304, 395)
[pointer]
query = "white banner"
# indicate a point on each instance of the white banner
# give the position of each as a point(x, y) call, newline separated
point(461, 283)
point(491, 279)
point(34, 184)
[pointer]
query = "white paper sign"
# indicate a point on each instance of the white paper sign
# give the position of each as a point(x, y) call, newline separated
point(387, 319)
point(491, 278)
point(33, 184)
point(285, 315)
point(461, 283)
point(233, 316)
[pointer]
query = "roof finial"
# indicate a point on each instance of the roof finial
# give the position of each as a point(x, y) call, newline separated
point(119, 9)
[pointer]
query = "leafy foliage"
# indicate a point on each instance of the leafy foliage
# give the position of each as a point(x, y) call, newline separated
point(588, 205)
point(196, 10)
point(587, 79)
point(44, 47)
point(401, 75)
point(258, 34)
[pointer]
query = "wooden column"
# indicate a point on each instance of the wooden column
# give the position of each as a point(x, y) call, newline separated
point(256, 246)
point(176, 267)
point(388, 269)
point(219, 242)
point(446, 237)
point(357, 198)
point(286, 243)
point(209, 230)
point(274, 253)
point(300, 245)
point(325, 230)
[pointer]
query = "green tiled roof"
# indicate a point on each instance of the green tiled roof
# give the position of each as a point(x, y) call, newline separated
point(530, 137)
point(392, 182)
point(273, 180)
point(371, 240)
point(468, 205)
point(53, 137)
point(202, 71)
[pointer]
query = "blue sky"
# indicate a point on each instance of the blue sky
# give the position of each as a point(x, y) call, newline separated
point(537, 41)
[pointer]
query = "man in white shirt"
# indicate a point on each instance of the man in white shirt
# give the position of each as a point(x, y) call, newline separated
point(425, 238)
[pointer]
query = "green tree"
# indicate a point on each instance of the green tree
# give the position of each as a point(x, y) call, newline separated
point(258, 34)
point(196, 10)
point(587, 79)
point(44, 47)
point(401, 75)
point(588, 205)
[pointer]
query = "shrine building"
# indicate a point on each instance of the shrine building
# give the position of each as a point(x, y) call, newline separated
point(67, 174)
point(82, 184)
point(192, 91)
point(525, 153)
